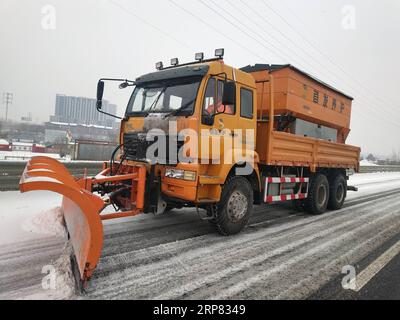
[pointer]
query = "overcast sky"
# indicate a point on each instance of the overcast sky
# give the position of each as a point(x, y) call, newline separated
point(50, 47)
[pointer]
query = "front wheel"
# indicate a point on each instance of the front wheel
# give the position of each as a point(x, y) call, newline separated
point(234, 209)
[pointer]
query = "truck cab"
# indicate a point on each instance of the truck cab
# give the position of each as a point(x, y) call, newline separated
point(202, 113)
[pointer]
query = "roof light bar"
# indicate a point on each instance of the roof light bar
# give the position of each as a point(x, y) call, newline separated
point(219, 53)
point(174, 62)
point(159, 65)
point(199, 56)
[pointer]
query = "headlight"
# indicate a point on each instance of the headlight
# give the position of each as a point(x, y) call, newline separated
point(190, 176)
point(180, 174)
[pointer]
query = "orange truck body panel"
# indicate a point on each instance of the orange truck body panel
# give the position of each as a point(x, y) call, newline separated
point(304, 97)
point(290, 150)
point(295, 91)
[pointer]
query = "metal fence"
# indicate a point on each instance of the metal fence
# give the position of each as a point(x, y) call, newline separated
point(10, 172)
point(94, 151)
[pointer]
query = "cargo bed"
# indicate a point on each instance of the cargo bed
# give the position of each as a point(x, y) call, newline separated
point(285, 149)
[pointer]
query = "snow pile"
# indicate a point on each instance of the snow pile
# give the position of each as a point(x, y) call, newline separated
point(50, 222)
point(65, 282)
point(366, 163)
point(64, 287)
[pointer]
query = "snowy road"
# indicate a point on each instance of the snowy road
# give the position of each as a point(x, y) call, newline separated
point(282, 254)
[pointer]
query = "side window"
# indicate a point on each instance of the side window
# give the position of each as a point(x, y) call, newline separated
point(246, 103)
point(213, 99)
point(209, 98)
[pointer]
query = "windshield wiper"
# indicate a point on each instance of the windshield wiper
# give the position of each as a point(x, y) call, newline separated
point(176, 112)
point(154, 104)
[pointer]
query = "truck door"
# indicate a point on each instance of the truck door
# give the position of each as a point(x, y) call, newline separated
point(245, 136)
point(218, 123)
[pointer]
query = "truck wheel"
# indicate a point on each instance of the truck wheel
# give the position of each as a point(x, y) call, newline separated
point(318, 195)
point(338, 192)
point(235, 207)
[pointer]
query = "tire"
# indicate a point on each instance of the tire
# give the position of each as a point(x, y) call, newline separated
point(318, 195)
point(338, 192)
point(235, 207)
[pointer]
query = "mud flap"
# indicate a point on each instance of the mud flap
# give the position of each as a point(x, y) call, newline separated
point(80, 208)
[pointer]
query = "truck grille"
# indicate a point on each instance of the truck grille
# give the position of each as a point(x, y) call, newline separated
point(136, 146)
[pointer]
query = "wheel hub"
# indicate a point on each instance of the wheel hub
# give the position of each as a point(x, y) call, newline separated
point(340, 193)
point(237, 206)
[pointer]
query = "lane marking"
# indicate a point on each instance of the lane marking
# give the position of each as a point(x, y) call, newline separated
point(375, 267)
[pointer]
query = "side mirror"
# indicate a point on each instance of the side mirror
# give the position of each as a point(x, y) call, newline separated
point(229, 96)
point(100, 93)
point(124, 85)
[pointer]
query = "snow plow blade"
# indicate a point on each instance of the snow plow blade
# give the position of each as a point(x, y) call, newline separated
point(80, 207)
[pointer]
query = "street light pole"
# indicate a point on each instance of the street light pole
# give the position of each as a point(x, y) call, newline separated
point(7, 100)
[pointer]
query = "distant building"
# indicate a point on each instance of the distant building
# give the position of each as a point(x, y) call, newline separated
point(17, 150)
point(22, 131)
point(27, 118)
point(82, 111)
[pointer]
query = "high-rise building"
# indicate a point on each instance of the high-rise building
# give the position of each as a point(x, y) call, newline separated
point(82, 111)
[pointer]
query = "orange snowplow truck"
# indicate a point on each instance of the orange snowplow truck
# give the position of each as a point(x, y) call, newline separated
point(209, 136)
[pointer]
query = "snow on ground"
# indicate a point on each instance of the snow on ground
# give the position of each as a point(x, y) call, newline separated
point(24, 155)
point(177, 255)
point(29, 216)
point(366, 163)
point(370, 183)
point(36, 215)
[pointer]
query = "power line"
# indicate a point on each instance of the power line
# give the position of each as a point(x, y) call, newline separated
point(222, 34)
point(313, 58)
point(264, 2)
point(367, 103)
point(7, 100)
point(241, 30)
point(216, 30)
point(130, 12)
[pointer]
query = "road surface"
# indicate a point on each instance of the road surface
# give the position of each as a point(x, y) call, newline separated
point(283, 254)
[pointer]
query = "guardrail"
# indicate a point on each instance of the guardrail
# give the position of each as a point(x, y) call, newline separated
point(10, 172)
point(380, 169)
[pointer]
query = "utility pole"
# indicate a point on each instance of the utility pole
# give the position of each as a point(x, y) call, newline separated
point(7, 100)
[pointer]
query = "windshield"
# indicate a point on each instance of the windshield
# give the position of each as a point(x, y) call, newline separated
point(172, 96)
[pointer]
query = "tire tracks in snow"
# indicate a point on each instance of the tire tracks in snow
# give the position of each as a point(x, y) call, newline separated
point(170, 271)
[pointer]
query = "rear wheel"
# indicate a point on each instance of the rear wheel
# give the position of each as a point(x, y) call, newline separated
point(338, 192)
point(234, 210)
point(318, 195)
